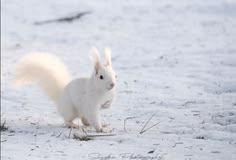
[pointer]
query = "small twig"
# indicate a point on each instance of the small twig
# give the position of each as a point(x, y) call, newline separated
point(70, 132)
point(188, 102)
point(177, 143)
point(35, 136)
point(146, 123)
point(125, 122)
point(171, 119)
point(3, 126)
point(59, 135)
point(64, 19)
point(100, 135)
point(149, 128)
point(151, 152)
point(84, 131)
point(86, 137)
point(4, 123)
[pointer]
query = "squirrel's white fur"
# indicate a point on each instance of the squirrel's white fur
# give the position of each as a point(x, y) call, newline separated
point(80, 98)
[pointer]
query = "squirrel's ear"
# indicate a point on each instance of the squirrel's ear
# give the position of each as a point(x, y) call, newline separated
point(108, 56)
point(95, 58)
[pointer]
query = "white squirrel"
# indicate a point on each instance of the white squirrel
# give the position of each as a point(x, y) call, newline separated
point(81, 98)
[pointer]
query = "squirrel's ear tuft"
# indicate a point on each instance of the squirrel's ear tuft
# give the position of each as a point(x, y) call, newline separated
point(95, 58)
point(108, 56)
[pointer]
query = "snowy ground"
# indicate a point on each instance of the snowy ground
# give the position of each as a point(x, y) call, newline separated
point(174, 59)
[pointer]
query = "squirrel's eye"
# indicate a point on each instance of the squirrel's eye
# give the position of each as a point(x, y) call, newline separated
point(101, 77)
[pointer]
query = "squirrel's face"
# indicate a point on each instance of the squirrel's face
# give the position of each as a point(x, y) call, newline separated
point(104, 76)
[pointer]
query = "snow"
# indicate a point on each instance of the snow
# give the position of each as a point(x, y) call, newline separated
point(174, 59)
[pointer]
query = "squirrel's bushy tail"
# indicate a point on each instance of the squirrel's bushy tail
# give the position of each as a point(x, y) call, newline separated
point(45, 69)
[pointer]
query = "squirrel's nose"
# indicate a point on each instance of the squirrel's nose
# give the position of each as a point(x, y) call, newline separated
point(112, 85)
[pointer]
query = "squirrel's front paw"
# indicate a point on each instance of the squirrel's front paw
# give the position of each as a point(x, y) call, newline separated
point(107, 104)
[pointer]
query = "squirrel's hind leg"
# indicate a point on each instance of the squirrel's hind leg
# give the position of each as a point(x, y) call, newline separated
point(84, 121)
